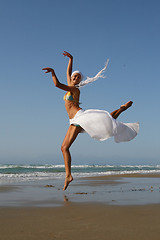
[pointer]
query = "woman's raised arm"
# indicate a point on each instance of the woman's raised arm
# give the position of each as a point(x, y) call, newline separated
point(69, 68)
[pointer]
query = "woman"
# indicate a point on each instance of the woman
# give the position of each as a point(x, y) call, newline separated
point(98, 124)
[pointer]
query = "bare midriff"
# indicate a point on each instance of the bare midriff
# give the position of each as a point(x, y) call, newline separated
point(72, 108)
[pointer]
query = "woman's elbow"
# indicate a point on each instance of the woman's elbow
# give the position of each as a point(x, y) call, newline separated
point(57, 84)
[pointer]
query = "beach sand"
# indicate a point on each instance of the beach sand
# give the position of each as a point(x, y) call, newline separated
point(100, 208)
point(78, 221)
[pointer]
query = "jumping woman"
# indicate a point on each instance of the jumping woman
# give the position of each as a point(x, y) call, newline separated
point(99, 124)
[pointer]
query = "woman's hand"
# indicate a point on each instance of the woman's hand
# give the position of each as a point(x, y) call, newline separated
point(49, 70)
point(67, 54)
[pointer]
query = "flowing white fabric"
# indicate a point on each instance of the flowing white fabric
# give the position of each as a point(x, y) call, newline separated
point(100, 125)
point(90, 80)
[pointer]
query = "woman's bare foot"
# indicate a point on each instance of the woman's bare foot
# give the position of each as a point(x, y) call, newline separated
point(67, 182)
point(126, 105)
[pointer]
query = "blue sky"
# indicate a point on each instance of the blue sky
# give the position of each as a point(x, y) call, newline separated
point(34, 35)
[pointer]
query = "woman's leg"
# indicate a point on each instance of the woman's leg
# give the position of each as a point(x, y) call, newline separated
point(70, 137)
point(122, 108)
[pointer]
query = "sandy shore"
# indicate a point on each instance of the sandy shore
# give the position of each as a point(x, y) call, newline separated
point(79, 221)
point(135, 175)
point(123, 207)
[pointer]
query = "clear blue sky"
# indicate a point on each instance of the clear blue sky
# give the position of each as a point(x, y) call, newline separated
point(34, 33)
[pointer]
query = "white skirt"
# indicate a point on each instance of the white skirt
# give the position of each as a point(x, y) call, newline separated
point(100, 125)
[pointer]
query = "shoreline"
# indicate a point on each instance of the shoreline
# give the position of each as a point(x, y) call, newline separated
point(120, 190)
point(132, 175)
point(105, 207)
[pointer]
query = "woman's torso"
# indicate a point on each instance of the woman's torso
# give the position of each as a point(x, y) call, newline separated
point(72, 103)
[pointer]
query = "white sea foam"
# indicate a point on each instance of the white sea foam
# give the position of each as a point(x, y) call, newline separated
point(24, 173)
point(30, 166)
point(11, 178)
point(47, 166)
point(37, 175)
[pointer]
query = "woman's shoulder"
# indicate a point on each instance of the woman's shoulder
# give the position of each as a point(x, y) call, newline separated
point(74, 90)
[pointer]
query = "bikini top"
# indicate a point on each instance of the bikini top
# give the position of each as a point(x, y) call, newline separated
point(68, 96)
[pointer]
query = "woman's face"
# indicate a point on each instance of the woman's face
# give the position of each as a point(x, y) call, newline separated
point(76, 78)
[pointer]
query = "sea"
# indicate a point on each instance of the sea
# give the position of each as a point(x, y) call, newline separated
point(10, 173)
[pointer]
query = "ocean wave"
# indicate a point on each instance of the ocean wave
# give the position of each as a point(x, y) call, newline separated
point(30, 166)
point(36, 176)
point(50, 166)
point(11, 178)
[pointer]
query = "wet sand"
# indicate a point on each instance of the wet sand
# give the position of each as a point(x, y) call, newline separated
point(78, 221)
point(109, 190)
point(107, 208)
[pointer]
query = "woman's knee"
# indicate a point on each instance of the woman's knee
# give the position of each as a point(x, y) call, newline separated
point(64, 148)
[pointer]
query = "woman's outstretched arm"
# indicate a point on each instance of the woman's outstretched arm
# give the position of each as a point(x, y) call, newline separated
point(57, 82)
point(69, 68)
